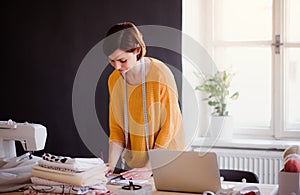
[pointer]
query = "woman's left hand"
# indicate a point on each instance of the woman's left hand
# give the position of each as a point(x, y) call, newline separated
point(138, 173)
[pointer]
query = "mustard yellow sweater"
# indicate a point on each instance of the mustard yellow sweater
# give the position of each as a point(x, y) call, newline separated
point(163, 112)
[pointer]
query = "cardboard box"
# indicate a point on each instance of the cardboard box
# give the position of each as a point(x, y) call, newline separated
point(289, 183)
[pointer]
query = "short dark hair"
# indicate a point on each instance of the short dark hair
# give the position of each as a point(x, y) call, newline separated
point(124, 36)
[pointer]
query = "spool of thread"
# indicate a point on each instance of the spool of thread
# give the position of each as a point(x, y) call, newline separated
point(291, 158)
point(294, 149)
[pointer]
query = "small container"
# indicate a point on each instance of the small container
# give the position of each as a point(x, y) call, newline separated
point(289, 183)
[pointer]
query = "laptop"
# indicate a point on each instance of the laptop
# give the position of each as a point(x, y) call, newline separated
point(185, 171)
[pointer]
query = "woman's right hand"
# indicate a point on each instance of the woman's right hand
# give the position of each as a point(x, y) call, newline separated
point(110, 170)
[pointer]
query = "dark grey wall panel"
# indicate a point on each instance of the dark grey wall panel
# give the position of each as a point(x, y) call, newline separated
point(42, 46)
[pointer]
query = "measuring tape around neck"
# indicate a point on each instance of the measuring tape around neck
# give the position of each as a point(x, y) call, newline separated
point(144, 107)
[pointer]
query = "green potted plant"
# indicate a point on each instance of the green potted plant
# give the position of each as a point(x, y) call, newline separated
point(217, 87)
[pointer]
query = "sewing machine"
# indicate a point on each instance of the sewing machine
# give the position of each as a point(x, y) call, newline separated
point(32, 137)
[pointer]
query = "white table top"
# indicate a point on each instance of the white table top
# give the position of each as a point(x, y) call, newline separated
point(265, 189)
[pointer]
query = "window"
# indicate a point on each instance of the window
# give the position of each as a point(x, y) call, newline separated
point(258, 40)
point(291, 64)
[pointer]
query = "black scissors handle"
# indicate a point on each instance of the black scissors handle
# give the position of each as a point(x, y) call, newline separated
point(131, 186)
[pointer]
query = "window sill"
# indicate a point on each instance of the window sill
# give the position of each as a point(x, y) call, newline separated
point(242, 143)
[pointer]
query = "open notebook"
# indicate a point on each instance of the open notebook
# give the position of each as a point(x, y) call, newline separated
point(185, 171)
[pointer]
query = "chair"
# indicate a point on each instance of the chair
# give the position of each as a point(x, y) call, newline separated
point(239, 176)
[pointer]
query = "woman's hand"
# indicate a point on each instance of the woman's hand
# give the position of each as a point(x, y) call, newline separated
point(138, 173)
point(110, 169)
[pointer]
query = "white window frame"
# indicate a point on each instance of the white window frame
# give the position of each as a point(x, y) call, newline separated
point(278, 112)
point(282, 131)
point(277, 127)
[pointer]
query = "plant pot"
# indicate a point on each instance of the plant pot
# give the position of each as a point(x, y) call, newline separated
point(221, 127)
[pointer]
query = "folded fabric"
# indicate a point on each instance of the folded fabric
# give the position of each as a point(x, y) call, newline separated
point(33, 192)
point(54, 158)
point(63, 189)
point(78, 165)
point(15, 175)
point(68, 160)
point(90, 192)
point(47, 182)
point(16, 172)
point(47, 186)
point(90, 177)
point(12, 187)
point(25, 159)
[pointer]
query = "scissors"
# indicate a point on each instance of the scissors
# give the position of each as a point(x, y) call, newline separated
point(131, 186)
point(115, 180)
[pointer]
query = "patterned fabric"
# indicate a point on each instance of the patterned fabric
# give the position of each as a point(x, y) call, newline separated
point(77, 165)
point(44, 188)
point(58, 168)
point(72, 171)
point(86, 178)
point(58, 159)
point(46, 191)
point(63, 189)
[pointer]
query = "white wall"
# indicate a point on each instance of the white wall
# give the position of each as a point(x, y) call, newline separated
point(195, 111)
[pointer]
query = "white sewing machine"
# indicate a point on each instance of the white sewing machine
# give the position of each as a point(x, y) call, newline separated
point(32, 137)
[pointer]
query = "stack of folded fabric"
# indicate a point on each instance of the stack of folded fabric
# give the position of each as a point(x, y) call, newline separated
point(56, 174)
point(15, 172)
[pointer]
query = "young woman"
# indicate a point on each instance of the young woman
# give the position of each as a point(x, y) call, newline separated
point(144, 113)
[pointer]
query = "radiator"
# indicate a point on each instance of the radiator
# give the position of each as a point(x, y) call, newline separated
point(266, 164)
